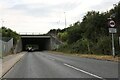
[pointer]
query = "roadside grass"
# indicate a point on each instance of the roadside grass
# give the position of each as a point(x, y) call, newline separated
point(92, 56)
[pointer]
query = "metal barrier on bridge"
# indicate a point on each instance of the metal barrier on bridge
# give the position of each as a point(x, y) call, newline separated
point(30, 33)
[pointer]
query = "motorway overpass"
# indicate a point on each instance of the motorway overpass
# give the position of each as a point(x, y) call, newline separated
point(42, 42)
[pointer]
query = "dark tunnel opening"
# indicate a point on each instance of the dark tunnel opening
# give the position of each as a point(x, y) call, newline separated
point(39, 44)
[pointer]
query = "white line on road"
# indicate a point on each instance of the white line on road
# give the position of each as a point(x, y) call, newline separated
point(51, 59)
point(83, 71)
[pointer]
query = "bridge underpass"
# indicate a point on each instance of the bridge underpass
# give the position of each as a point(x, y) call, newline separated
point(39, 42)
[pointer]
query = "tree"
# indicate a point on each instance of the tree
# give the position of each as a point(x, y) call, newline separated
point(92, 35)
point(6, 32)
point(74, 33)
point(63, 36)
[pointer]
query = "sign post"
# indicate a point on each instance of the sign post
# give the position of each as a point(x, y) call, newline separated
point(113, 48)
point(119, 41)
point(112, 30)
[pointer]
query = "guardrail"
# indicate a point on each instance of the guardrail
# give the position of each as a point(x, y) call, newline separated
point(29, 33)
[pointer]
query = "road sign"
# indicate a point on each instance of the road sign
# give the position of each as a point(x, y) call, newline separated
point(112, 24)
point(112, 30)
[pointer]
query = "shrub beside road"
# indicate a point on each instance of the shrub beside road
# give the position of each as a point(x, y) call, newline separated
point(91, 35)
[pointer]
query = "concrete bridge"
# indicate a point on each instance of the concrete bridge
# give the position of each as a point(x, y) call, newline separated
point(41, 42)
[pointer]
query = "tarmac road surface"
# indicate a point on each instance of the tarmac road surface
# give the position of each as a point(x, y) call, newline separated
point(47, 65)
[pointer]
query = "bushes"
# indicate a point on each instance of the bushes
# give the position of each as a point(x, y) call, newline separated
point(6, 32)
point(103, 46)
point(62, 36)
point(92, 35)
point(64, 48)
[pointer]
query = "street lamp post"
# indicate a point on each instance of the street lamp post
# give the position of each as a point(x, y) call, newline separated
point(65, 19)
point(2, 22)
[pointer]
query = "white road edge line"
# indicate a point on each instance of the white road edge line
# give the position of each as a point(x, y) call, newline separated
point(53, 59)
point(83, 71)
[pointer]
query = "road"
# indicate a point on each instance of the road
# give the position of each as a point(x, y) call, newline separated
point(47, 65)
point(0, 67)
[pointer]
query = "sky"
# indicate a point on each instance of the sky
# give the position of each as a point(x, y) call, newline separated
point(39, 16)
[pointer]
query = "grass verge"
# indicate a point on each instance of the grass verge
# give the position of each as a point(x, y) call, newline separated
point(92, 56)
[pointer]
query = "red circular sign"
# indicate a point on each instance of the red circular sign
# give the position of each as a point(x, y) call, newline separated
point(112, 24)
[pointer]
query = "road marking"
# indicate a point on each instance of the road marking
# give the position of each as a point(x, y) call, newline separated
point(52, 59)
point(83, 71)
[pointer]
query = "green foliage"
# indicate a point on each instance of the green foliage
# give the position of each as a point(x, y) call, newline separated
point(64, 48)
point(91, 35)
point(103, 45)
point(63, 36)
point(94, 25)
point(6, 32)
point(74, 33)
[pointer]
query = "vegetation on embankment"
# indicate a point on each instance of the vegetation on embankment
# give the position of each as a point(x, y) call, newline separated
point(7, 32)
point(91, 36)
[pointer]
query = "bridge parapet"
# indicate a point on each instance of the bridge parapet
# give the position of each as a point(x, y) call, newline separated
point(30, 33)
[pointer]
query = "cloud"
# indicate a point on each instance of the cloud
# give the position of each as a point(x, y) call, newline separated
point(105, 5)
point(43, 9)
point(43, 15)
point(37, 11)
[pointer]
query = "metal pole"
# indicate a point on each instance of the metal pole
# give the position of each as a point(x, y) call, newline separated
point(113, 48)
point(2, 22)
point(65, 19)
point(119, 41)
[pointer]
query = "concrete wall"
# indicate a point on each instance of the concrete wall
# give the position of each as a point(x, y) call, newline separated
point(6, 46)
point(18, 47)
point(0, 48)
point(55, 43)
